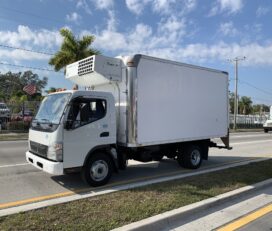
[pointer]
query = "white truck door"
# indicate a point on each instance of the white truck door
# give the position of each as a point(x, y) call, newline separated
point(88, 126)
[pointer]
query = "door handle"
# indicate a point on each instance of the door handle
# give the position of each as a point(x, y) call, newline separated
point(104, 134)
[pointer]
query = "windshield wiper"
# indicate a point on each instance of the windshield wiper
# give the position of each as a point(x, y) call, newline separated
point(47, 120)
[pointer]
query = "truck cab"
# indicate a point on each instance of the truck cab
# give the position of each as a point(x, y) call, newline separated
point(69, 128)
point(267, 126)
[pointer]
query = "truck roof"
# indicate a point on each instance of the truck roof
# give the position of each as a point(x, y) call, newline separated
point(136, 59)
point(83, 92)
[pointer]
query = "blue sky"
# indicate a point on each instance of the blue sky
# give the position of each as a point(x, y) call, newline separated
point(201, 32)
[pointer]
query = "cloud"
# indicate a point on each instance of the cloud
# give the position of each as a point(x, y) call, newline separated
point(103, 4)
point(169, 33)
point(112, 22)
point(73, 17)
point(229, 6)
point(190, 4)
point(41, 40)
point(25, 37)
point(16, 55)
point(136, 6)
point(163, 7)
point(228, 29)
point(142, 39)
point(256, 54)
point(82, 4)
point(261, 11)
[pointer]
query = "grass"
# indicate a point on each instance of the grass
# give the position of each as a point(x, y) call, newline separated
point(116, 209)
point(246, 130)
point(17, 136)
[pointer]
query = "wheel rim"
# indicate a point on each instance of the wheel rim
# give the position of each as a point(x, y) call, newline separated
point(195, 157)
point(99, 170)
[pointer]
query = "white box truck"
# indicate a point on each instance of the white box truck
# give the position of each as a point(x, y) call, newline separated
point(135, 107)
point(267, 126)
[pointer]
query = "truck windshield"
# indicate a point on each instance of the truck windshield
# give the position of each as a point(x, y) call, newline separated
point(52, 108)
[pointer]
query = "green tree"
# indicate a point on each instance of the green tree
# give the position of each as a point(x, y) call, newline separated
point(245, 105)
point(12, 84)
point(231, 102)
point(72, 49)
point(51, 90)
point(260, 108)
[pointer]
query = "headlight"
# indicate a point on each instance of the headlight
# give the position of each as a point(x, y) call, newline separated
point(55, 152)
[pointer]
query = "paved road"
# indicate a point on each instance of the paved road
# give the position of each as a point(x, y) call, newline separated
point(21, 181)
point(264, 223)
point(248, 211)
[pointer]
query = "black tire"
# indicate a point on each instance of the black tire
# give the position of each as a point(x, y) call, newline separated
point(191, 157)
point(98, 169)
point(265, 130)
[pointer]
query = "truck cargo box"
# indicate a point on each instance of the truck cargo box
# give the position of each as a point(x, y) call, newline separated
point(159, 101)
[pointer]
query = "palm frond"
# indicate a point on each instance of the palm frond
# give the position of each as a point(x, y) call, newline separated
point(72, 49)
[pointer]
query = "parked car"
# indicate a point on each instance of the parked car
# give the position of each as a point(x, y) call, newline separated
point(25, 116)
point(4, 115)
point(4, 111)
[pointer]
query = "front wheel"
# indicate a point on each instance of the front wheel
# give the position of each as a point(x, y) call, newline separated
point(191, 157)
point(98, 169)
point(265, 130)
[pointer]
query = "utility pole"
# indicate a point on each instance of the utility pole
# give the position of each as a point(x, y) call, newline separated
point(236, 61)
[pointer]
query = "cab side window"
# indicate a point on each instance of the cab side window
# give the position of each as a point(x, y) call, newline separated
point(84, 111)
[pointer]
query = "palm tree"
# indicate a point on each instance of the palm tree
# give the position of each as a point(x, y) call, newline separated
point(245, 105)
point(72, 49)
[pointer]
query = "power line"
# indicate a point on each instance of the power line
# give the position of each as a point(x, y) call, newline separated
point(259, 89)
point(31, 14)
point(20, 22)
point(24, 49)
point(34, 68)
point(261, 99)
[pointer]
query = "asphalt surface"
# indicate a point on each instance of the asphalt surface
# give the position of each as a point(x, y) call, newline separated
point(21, 181)
point(264, 223)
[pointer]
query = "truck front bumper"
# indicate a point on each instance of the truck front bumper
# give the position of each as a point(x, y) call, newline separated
point(55, 168)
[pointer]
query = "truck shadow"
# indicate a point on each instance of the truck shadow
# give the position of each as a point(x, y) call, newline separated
point(142, 172)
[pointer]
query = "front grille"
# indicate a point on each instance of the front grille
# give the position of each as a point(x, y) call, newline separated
point(38, 149)
point(85, 66)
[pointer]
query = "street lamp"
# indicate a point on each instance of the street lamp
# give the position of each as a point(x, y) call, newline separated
point(236, 61)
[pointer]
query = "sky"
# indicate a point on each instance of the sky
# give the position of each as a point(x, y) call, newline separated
point(209, 33)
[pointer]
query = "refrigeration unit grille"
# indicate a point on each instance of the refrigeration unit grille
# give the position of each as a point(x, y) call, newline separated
point(85, 66)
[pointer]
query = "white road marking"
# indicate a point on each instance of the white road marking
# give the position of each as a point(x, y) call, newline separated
point(13, 141)
point(13, 165)
point(252, 142)
point(250, 136)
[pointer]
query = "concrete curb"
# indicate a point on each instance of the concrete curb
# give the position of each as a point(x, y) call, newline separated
point(167, 220)
point(74, 197)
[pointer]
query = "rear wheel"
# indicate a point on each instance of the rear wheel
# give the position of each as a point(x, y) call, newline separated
point(266, 130)
point(191, 157)
point(98, 169)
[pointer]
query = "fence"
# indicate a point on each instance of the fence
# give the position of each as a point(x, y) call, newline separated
point(19, 117)
point(248, 121)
